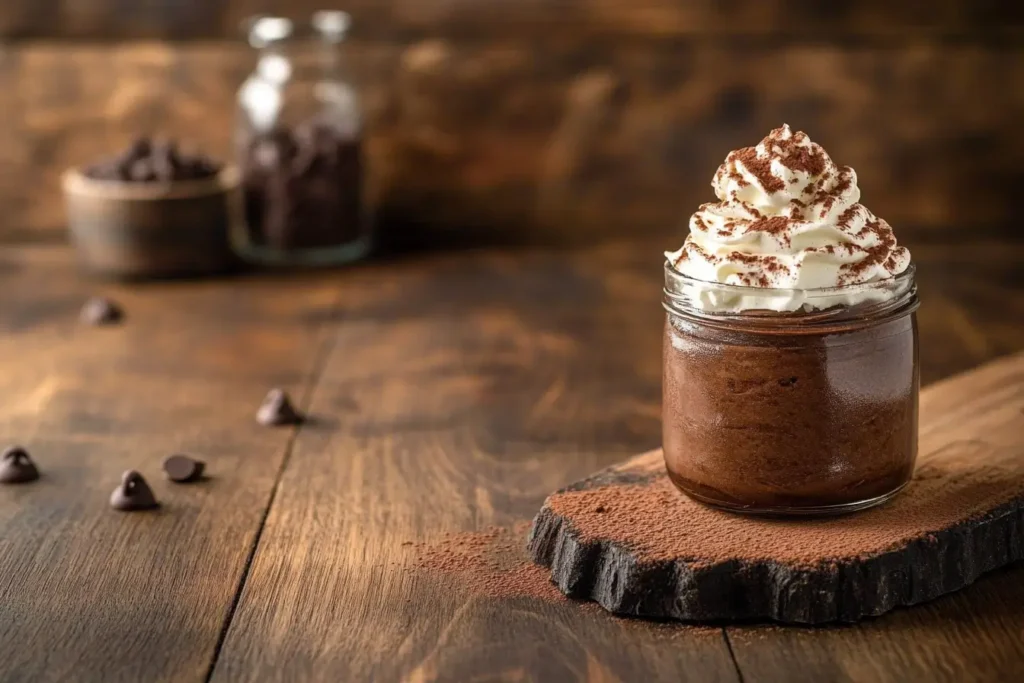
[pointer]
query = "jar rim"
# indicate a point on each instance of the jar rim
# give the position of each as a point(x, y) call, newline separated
point(264, 30)
point(876, 299)
point(906, 275)
point(267, 30)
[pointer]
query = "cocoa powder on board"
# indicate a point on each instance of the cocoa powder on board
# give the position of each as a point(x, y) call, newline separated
point(656, 521)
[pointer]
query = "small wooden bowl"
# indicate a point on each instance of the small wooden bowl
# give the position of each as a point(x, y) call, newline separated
point(148, 230)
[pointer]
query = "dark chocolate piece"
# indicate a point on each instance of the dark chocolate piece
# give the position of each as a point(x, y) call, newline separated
point(148, 160)
point(277, 409)
point(16, 466)
point(142, 171)
point(627, 539)
point(101, 311)
point(133, 494)
point(139, 148)
point(182, 469)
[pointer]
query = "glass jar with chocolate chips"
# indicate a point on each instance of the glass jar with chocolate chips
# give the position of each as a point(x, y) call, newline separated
point(299, 144)
point(790, 352)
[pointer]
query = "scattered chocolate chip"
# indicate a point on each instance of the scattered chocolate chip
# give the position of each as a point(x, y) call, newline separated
point(133, 494)
point(277, 409)
point(600, 508)
point(181, 468)
point(16, 466)
point(101, 311)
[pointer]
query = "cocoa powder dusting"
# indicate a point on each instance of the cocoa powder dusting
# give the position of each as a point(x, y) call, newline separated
point(810, 160)
point(738, 178)
point(846, 216)
point(760, 168)
point(490, 562)
point(776, 225)
point(659, 523)
point(845, 180)
point(875, 255)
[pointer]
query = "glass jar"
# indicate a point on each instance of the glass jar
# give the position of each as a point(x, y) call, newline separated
point(808, 411)
point(299, 145)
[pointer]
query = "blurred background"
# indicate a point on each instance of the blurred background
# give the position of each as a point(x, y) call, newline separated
point(552, 120)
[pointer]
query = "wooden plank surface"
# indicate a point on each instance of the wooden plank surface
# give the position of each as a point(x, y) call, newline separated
point(501, 379)
point(461, 389)
point(90, 594)
point(488, 19)
point(449, 392)
point(573, 144)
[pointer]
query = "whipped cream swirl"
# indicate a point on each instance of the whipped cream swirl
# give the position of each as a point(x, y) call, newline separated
point(788, 218)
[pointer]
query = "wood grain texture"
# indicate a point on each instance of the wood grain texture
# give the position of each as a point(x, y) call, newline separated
point(961, 517)
point(476, 402)
point(515, 142)
point(459, 390)
point(483, 20)
point(465, 387)
point(92, 594)
point(973, 636)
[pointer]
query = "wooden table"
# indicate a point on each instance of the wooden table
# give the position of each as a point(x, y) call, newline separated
point(449, 392)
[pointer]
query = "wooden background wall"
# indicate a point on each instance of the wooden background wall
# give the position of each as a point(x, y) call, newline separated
point(553, 119)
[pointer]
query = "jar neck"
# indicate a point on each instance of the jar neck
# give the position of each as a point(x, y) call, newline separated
point(816, 311)
point(308, 51)
point(305, 60)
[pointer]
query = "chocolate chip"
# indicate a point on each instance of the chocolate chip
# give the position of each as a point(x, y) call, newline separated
point(140, 148)
point(181, 468)
point(148, 160)
point(16, 466)
point(143, 171)
point(133, 494)
point(277, 409)
point(164, 170)
point(101, 311)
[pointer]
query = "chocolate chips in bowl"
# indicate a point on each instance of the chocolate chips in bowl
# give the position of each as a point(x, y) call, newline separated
point(153, 210)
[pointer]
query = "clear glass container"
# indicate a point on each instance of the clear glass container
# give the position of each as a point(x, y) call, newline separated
point(806, 412)
point(299, 145)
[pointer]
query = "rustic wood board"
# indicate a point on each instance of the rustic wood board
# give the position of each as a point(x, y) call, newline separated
point(962, 516)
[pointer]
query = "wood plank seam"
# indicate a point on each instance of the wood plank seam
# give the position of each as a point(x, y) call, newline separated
point(323, 352)
point(732, 655)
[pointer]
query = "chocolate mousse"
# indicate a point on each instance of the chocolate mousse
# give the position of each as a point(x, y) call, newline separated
point(790, 349)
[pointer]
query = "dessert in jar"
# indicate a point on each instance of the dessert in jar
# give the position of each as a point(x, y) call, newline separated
point(299, 146)
point(790, 350)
